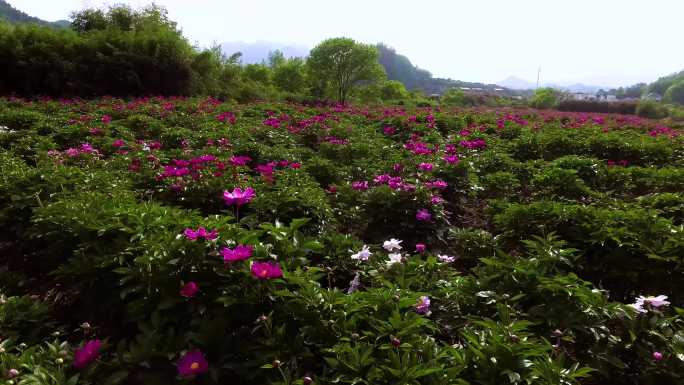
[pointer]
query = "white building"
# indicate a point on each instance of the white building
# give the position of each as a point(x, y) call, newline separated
point(582, 96)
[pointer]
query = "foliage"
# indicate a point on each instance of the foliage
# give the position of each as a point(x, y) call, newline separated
point(260, 241)
point(675, 93)
point(341, 64)
point(651, 109)
point(544, 98)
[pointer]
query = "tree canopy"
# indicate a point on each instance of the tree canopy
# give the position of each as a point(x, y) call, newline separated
point(675, 93)
point(341, 64)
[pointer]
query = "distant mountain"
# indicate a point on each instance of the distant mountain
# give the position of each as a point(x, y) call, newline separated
point(253, 53)
point(13, 15)
point(516, 83)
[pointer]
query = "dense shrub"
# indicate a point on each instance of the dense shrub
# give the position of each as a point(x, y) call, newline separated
point(628, 108)
point(651, 109)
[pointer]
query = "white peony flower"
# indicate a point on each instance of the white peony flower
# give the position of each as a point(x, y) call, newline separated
point(363, 254)
point(392, 245)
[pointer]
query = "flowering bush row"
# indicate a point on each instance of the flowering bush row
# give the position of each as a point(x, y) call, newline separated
point(181, 240)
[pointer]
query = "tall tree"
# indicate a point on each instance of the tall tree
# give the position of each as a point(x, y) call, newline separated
point(342, 64)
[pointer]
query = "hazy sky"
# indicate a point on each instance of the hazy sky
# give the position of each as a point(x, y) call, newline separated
point(603, 42)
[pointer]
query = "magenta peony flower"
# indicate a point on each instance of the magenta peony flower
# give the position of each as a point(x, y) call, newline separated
point(189, 290)
point(239, 197)
point(86, 354)
point(87, 148)
point(240, 160)
point(437, 183)
point(451, 159)
point(200, 233)
point(118, 143)
point(266, 270)
point(423, 215)
point(423, 305)
point(192, 363)
point(239, 253)
point(657, 356)
point(420, 247)
point(425, 166)
point(436, 200)
point(360, 185)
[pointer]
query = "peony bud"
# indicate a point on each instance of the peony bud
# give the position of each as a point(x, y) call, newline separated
point(657, 356)
point(307, 380)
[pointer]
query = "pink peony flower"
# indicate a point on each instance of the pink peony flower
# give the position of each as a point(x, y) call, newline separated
point(420, 247)
point(266, 270)
point(657, 356)
point(239, 197)
point(239, 253)
point(71, 152)
point(189, 290)
point(86, 354)
point(192, 363)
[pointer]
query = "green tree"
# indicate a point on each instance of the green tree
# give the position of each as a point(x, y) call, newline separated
point(454, 97)
point(342, 63)
point(392, 90)
point(276, 58)
point(661, 85)
point(290, 75)
point(544, 98)
point(675, 93)
point(90, 19)
point(258, 73)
